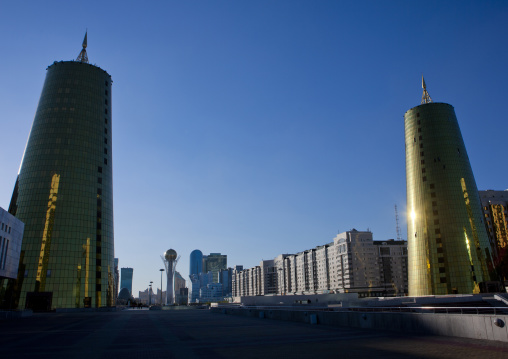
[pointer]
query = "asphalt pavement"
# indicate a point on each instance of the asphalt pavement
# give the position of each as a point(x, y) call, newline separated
point(201, 334)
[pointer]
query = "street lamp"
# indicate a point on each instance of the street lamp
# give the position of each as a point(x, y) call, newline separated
point(150, 294)
point(161, 270)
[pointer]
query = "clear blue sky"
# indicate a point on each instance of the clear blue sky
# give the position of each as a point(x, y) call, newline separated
point(254, 128)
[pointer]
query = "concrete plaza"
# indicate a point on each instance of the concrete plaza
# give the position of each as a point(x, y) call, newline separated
point(202, 334)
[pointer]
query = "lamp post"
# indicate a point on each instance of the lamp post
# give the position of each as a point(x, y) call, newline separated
point(161, 270)
point(150, 294)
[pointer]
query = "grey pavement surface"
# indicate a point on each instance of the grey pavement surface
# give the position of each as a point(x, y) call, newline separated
point(201, 334)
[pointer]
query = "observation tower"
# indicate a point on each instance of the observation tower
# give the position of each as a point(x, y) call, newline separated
point(170, 259)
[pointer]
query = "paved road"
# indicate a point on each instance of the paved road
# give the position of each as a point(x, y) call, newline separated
point(201, 334)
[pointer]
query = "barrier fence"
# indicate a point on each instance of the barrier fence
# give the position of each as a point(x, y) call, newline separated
point(423, 309)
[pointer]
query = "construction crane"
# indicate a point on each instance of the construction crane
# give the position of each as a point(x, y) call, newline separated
point(399, 236)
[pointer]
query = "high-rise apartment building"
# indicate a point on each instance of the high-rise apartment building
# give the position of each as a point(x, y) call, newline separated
point(392, 256)
point(495, 211)
point(235, 280)
point(352, 263)
point(126, 275)
point(268, 277)
point(448, 247)
point(355, 265)
point(64, 192)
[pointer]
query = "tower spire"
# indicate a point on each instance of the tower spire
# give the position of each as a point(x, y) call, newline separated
point(425, 97)
point(83, 57)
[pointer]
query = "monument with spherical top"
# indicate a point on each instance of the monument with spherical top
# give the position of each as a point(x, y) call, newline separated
point(170, 259)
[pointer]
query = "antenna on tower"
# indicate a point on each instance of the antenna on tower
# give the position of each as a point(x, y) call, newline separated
point(425, 97)
point(83, 57)
point(399, 236)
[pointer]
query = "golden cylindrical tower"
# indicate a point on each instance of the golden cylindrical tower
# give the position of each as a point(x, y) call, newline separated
point(65, 193)
point(448, 247)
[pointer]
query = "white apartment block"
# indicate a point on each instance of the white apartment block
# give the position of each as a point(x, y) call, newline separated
point(356, 263)
point(268, 277)
point(352, 263)
point(11, 236)
point(393, 266)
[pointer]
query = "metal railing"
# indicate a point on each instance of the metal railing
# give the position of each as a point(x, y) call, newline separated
point(420, 310)
point(435, 310)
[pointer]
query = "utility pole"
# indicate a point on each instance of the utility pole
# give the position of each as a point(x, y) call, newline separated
point(161, 270)
point(150, 293)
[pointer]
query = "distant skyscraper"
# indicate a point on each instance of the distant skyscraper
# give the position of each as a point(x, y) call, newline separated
point(214, 262)
point(204, 270)
point(495, 209)
point(179, 282)
point(126, 275)
point(225, 278)
point(196, 262)
point(448, 246)
point(117, 279)
point(195, 286)
point(182, 297)
point(195, 268)
point(64, 192)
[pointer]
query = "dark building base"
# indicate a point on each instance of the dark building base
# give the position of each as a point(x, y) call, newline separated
point(39, 301)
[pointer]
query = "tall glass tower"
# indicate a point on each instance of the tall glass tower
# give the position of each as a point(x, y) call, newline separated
point(448, 247)
point(195, 269)
point(64, 192)
point(126, 275)
point(196, 262)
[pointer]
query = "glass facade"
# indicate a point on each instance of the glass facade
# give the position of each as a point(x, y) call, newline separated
point(65, 193)
point(448, 247)
point(196, 262)
point(495, 210)
point(214, 262)
point(126, 279)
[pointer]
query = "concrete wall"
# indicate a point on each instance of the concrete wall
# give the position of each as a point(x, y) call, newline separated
point(87, 310)
point(315, 299)
point(12, 314)
point(454, 325)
